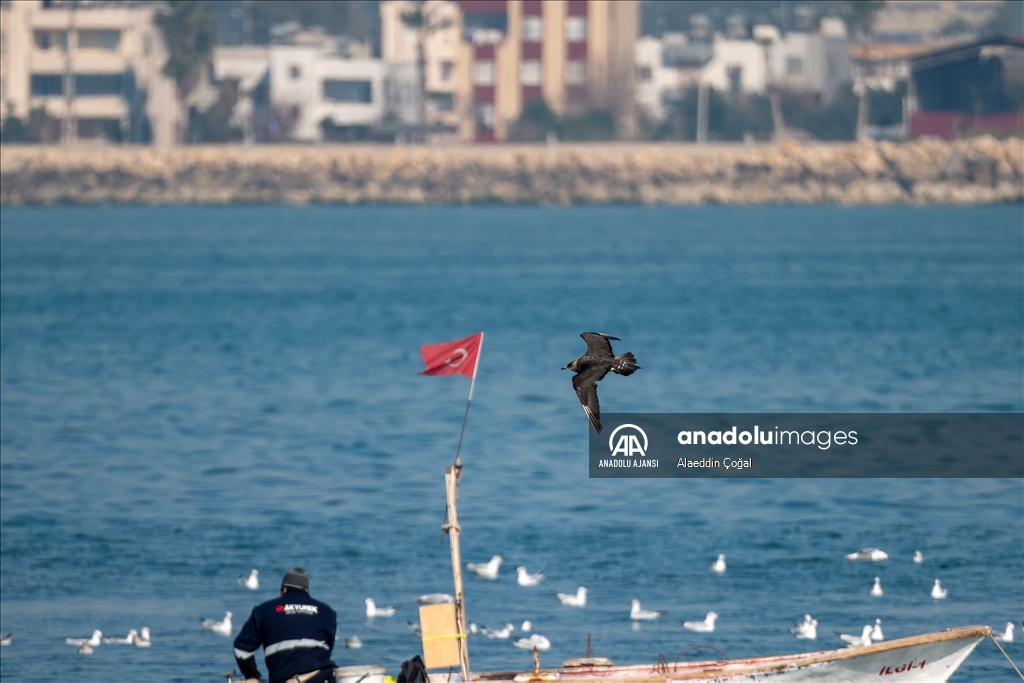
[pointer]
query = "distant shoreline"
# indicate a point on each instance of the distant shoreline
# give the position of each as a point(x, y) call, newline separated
point(967, 172)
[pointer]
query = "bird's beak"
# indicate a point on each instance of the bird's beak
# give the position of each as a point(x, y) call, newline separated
point(566, 367)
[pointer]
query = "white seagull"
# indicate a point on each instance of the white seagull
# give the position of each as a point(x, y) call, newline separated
point(577, 599)
point(85, 649)
point(876, 632)
point(719, 565)
point(868, 554)
point(526, 627)
point(252, 582)
point(637, 613)
point(918, 557)
point(706, 626)
point(938, 592)
point(144, 634)
point(499, 634)
point(414, 627)
point(142, 639)
point(373, 611)
point(806, 629)
point(6, 640)
point(92, 641)
point(127, 640)
point(223, 627)
point(876, 590)
point(353, 643)
point(1006, 636)
point(857, 641)
point(534, 641)
point(434, 599)
point(525, 579)
point(488, 570)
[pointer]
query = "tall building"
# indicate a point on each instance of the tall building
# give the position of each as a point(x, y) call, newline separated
point(96, 67)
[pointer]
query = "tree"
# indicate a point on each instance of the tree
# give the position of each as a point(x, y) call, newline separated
point(425, 22)
point(190, 35)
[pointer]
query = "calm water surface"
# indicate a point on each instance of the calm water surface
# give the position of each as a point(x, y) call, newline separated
point(188, 393)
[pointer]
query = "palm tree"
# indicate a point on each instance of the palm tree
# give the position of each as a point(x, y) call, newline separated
point(190, 35)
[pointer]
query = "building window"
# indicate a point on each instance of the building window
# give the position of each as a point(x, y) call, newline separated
point(643, 73)
point(442, 101)
point(483, 73)
point(532, 29)
point(98, 84)
point(99, 40)
point(576, 29)
point(794, 66)
point(45, 85)
point(446, 70)
point(485, 117)
point(576, 72)
point(735, 76)
point(48, 40)
point(296, 72)
point(347, 91)
point(530, 73)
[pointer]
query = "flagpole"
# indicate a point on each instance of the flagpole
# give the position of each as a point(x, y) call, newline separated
point(472, 385)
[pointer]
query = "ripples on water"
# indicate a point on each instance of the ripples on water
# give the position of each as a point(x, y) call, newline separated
point(188, 393)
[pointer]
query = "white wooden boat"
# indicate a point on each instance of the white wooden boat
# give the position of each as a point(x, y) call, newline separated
point(929, 657)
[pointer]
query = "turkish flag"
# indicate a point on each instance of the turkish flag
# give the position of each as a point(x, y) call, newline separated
point(452, 358)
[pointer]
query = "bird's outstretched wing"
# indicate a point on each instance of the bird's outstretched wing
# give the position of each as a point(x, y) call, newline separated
point(585, 384)
point(598, 344)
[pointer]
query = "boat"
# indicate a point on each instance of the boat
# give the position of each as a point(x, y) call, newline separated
point(927, 657)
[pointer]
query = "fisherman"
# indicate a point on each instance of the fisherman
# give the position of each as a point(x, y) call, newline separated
point(296, 632)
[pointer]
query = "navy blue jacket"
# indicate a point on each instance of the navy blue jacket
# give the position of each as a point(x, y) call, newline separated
point(296, 632)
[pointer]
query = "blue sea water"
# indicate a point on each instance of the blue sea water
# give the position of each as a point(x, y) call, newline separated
point(188, 393)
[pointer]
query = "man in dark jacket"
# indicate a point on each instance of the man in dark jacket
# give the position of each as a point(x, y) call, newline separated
point(296, 632)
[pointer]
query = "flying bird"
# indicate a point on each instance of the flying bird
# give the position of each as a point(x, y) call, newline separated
point(592, 366)
point(868, 555)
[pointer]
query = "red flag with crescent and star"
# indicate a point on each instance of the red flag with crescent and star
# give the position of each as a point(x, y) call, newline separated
point(452, 358)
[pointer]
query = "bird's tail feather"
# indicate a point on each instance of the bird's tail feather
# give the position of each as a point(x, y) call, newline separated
point(625, 364)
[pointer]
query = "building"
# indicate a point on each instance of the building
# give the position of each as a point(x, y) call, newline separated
point(914, 21)
point(97, 67)
point(665, 68)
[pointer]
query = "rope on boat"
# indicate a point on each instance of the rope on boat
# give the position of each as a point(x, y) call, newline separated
point(697, 647)
point(1007, 657)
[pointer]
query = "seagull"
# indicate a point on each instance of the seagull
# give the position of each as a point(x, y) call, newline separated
point(876, 590)
point(534, 641)
point(526, 627)
point(636, 613)
point(222, 627)
point(938, 592)
point(592, 366)
point(252, 582)
point(806, 629)
point(500, 634)
point(434, 599)
point(876, 632)
point(719, 565)
point(473, 629)
point(85, 649)
point(525, 579)
point(857, 641)
point(488, 570)
point(373, 611)
point(127, 640)
point(1006, 636)
point(353, 643)
point(918, 557)
point(6, 640)
point(144, 634)
point(577, 599)
point(92, 641)
point(706, 626)
point(142, 639)
point(414, 627)
point(868, 554)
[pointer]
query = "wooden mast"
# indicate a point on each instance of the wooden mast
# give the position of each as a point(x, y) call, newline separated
point(451, 480)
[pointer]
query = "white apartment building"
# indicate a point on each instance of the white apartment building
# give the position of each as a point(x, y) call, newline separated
point(96, 67)
point(665, 67)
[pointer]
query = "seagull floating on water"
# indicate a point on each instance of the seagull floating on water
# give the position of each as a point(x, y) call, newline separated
point(252, 582)
point(523, 578)
point(127, 640)
point(592, 366)
point(142, 639)
point(1006, 636)
point(876, 632)
point(353, 643)
point(488, 570)
point(473, 629)
point(526, 627)
point(435, 599)
point(938, 592)
point(806, 629)
point(223, 627)
point(868, 555)
point(373, 611)
point(918, 557)
point(6, 640)
point(706, 626)
point(719, 565)
point(876, 590)
point(638, 613)
point(862, 640)
point(92, 641)
point(577, 599)
point(499, 634)
point(534, 641)
point(144, 633)
point(85, 649)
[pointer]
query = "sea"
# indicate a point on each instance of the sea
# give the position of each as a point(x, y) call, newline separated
point(188, 393)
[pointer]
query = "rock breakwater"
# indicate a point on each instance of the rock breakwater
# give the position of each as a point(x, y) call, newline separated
point(975, 171)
